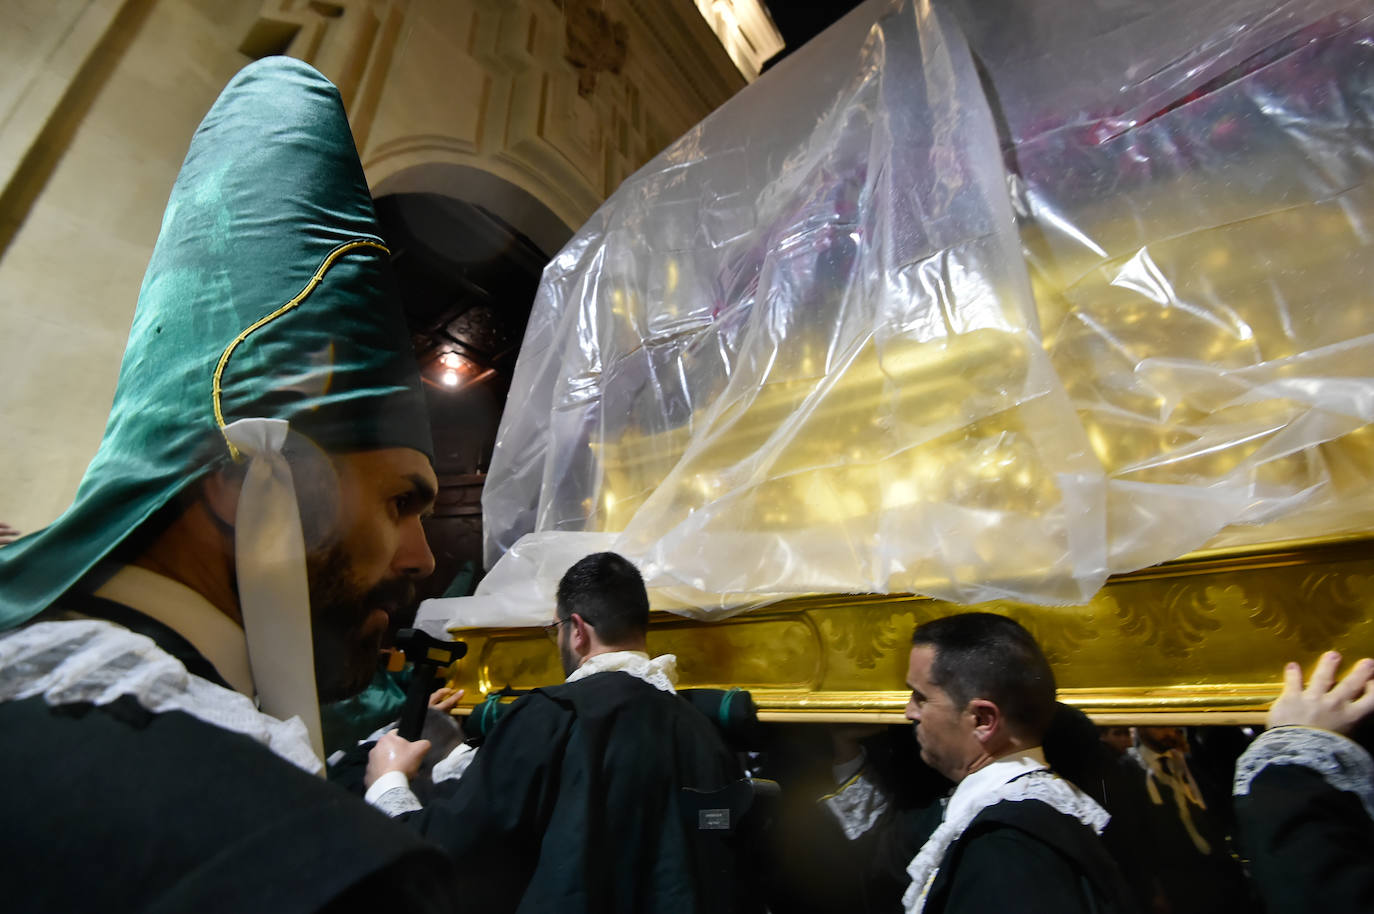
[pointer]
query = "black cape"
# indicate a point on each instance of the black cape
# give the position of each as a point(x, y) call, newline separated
point(1027, 857)
point(114, 808)
point(875, 872)
point(1192, 882)
point(1311, 846)
point(1021, 856)
point(583, 798)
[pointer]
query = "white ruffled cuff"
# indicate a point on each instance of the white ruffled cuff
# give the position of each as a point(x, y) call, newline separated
point(391, 794)
point(857, 805)
point(1342, 763)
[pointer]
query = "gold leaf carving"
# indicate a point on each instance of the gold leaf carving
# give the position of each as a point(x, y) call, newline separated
point(866, 635)
point(1325, 607)
point(522, 663)
point(1059, 632)
point(770, 652)
point(1175, 624)
point(1230, 598)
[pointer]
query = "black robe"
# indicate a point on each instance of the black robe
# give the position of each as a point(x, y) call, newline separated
point(1193, 882)
point(1027, 857)
point(114, 808)
point(1311, 846)
point(881, 855)
point(581, 800)
point(874, 871)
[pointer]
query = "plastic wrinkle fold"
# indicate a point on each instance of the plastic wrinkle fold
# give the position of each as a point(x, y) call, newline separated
point(967, 300)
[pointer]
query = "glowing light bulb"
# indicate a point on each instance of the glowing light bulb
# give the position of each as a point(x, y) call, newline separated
point(450, 378)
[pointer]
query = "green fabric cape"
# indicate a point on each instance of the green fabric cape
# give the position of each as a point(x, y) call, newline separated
point(269, 274)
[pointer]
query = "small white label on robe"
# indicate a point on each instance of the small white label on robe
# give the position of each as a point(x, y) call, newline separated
point(713, 819)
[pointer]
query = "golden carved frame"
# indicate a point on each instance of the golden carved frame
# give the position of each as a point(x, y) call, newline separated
point(1199, 640)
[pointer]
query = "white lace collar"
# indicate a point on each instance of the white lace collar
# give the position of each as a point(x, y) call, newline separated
point(1339, 760)
point(976, 786)
point(659, 672)
point(1021, 776)
point(91, 660)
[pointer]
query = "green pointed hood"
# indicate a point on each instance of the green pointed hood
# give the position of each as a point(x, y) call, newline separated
point(269, 294)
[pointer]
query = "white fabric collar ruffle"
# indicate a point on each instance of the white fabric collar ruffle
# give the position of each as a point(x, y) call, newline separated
point(91, 660)
point(1023, 776)
point(1339, 760)
point(659, 672)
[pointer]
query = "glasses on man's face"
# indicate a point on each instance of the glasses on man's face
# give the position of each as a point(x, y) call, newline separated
point(552, 628)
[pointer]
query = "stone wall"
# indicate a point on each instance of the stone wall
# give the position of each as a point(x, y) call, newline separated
point(535, 109)
point(99, 102)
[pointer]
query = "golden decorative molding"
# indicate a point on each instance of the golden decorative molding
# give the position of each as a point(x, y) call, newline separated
point(1201, 639)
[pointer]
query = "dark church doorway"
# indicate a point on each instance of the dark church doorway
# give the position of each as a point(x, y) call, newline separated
point(467, 279)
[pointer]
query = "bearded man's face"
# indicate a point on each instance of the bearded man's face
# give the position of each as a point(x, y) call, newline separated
point(349, 621)
point(366, 572)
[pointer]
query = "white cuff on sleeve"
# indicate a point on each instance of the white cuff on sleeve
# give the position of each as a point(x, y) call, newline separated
point(857, 806)
point(389, 781)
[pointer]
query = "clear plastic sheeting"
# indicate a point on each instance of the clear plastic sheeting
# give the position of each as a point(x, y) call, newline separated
point(978, 301)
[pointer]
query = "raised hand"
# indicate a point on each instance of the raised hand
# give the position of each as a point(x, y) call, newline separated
point(1325, 703)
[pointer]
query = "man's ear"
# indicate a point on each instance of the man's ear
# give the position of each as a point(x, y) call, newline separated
point(987, 719)
point(581, 632)
point(220, 492)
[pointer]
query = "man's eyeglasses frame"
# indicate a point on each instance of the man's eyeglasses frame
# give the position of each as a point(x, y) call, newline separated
point(551, 629)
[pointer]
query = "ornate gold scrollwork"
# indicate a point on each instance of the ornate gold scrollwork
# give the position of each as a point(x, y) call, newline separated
point(869, 634)
point(1195, 641)
point(1174, 624)
point(1325, 606)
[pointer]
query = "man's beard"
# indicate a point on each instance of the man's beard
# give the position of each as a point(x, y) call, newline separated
point(345, 655)
point(565, 653)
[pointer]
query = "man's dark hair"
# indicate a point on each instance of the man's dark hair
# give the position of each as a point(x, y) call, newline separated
point(607, 591)
point(983, 655)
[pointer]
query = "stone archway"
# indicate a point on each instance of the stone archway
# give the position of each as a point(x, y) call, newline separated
point(467, 248)
point(509, 202)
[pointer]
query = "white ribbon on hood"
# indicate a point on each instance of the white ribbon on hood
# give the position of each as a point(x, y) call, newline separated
point(274, 592)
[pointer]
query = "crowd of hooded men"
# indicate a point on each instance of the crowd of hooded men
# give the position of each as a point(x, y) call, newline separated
point(263, 452)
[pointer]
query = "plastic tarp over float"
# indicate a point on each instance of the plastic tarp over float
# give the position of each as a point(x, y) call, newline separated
point(978, 301)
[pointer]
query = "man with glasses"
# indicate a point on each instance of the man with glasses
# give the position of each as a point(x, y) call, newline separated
point(575, 801)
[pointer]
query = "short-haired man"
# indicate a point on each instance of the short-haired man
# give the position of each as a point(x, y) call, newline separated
point(1013, 836)
point(251, 519)
point(575, 801)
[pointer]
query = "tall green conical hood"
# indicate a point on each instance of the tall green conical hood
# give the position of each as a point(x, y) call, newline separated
point(269, 294)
